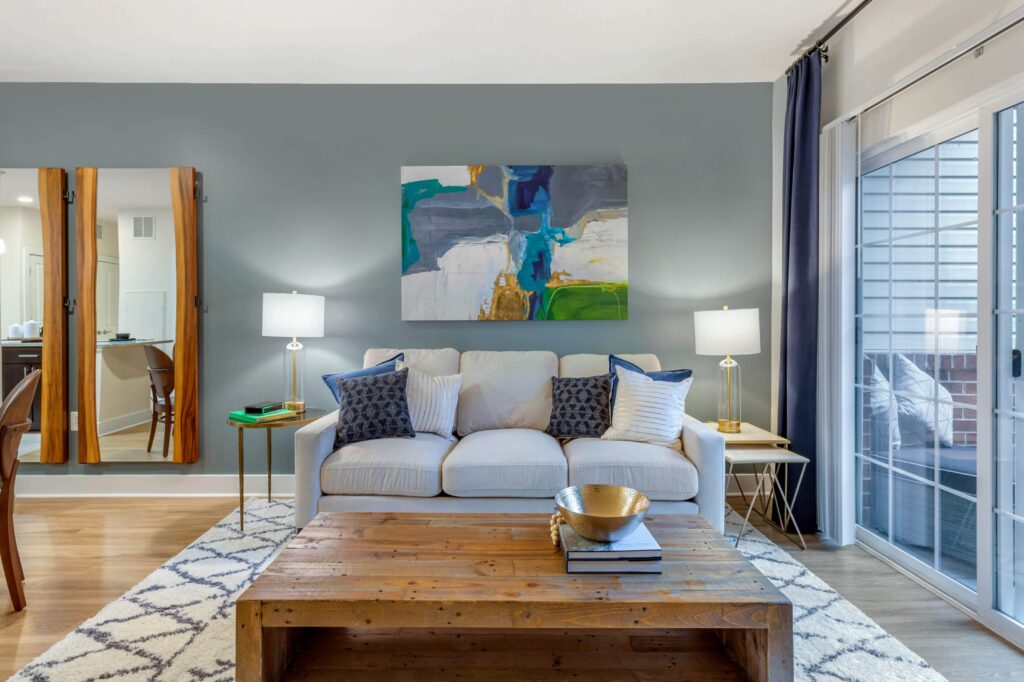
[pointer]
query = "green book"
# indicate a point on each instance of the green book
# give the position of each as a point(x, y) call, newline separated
point(241, 416)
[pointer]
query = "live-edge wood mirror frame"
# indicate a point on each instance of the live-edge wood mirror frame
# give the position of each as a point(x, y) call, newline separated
point(183, 184)
point(53, 210)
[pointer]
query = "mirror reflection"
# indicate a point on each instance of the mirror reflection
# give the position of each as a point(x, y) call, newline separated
point(135, 315)
point(21, 292)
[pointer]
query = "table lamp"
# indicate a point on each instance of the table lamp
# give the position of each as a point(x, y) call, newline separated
point(728, 332)
point(293, 315)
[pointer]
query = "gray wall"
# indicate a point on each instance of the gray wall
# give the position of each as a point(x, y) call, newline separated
point(302, 186)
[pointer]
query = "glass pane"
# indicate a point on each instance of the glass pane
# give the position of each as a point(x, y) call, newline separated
point(1010, 567)
point(958, 538)
point(877, 424)
point(958, 449)
point(1009, 388)
point(873, 352)
point(873, 497)
point(1009, 453)
point(1010, 261)
point(913, 514)
point(916, 345)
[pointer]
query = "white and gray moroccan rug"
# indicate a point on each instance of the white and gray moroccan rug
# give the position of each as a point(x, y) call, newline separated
point(178, 623)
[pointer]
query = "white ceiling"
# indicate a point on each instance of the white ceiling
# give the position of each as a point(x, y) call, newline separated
point(408, 41)
point(19, 182)
point(123, 189)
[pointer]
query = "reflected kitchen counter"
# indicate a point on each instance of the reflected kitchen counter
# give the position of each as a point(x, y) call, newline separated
point(21, 344)
point(103, 345)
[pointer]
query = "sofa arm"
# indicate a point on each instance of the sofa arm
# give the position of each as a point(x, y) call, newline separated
point(705, 447)
point(313, 443)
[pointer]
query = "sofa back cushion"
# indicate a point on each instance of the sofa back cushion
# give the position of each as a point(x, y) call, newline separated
point(593, 364)
point(505, 390)
point(436, 362)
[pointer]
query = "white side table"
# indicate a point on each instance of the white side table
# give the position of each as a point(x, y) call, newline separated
point(769, 460)
point(766, 453)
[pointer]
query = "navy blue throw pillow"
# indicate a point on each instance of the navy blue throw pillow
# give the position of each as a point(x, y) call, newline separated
point(373, 407)
point(389, 365)
point(671, 375)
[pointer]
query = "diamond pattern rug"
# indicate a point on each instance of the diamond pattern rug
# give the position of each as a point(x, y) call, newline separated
point(178, 623)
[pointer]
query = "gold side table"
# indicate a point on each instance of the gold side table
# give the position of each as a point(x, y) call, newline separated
point(301, 419)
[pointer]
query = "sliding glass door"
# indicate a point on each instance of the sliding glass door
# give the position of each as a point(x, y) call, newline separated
point(939, 390)
point(916, 366)
point(1008, 440)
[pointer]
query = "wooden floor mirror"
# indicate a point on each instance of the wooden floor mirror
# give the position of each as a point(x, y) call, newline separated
point(138, 325)
point(33, 302)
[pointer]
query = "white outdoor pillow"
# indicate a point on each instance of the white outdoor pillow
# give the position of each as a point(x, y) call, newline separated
point(648, 411)
point(885, 419)
point(432, 401)
point(916, 394)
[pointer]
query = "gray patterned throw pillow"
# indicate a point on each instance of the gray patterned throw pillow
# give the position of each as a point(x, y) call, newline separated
point(580, 407)
point(373, 407)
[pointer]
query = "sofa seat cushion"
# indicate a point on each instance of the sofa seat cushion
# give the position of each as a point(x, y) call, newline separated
point(387, 466)
point(659, 472)
point(505, 463)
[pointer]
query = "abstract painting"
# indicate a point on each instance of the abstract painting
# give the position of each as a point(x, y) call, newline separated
point(514, 243)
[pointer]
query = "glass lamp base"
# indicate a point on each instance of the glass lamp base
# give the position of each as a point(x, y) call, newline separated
point(729, 387)
point(294, 362)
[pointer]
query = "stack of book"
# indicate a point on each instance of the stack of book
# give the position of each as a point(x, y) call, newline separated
point(261, 413)
point(637, 553)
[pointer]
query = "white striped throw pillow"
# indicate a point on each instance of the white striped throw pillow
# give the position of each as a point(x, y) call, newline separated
point(432, 401)
point(648, 411)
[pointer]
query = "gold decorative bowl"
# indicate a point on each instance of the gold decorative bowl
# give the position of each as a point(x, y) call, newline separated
point(603, 513)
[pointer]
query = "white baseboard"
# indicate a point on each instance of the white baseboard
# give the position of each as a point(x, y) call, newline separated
point(151, 485)
point(125, 421)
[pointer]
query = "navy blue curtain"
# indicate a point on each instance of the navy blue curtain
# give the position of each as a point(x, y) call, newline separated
point(798, 369)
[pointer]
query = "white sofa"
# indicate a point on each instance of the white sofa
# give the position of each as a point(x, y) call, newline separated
point(503, 462)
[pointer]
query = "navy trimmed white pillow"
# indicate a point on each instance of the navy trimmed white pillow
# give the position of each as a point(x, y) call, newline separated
point(373, 407)
point(580, 407)
point(647, 410)
point(389, 365)
point(671, 375)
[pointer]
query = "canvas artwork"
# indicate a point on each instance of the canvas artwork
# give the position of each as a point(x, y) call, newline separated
point(514, 243)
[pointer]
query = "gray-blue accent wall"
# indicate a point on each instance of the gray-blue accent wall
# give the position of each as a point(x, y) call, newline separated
point(302, 192)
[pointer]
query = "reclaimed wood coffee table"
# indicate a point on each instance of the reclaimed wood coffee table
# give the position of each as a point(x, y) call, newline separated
point(455, 596)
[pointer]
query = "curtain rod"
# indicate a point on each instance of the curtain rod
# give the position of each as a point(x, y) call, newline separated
point(820, 45)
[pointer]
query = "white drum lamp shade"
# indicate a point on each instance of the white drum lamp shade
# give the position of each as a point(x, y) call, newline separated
point(293, 315)
point(728, 332)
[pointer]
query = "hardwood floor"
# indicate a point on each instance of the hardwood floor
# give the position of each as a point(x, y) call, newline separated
point(80, 554)
point(952, 642)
